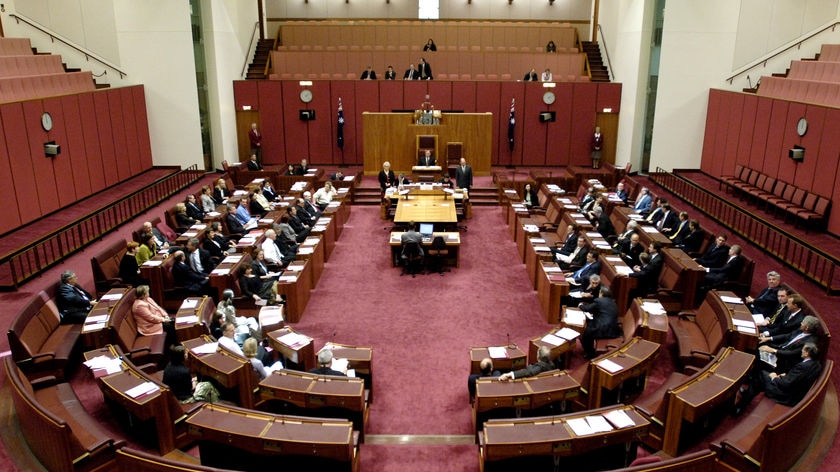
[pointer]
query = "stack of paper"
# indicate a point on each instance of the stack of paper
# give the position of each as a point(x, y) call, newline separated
point(111, 296)
point(609, 366)
point(619, 419)
point(498, 352)
point(189, 319)
point(142, 389)
point(189, 304)
point(109, 364)
point(294, 340)
point(728, 299)
point(207, 348)
point(574, 317)
point(231, 259)
point(552, 339)
point(654, 308)
point(567, 333)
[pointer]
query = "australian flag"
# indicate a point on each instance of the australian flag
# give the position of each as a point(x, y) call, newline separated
point(511, 124)
point(340, 126)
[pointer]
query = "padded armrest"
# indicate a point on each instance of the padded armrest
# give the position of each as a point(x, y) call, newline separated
point(41, 382)
point(703, 353)
point(138, 350)
point(40, 355)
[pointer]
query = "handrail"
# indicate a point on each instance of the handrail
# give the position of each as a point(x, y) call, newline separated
point(53, 36)
point(268, 65)
point(252, 47)
point(29, 261)
point(606, 53)
point(797, 44)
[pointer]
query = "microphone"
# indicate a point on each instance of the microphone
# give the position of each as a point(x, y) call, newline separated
point(508, 340)
point(749, 82)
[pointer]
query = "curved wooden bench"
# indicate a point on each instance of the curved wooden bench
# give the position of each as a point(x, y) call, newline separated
point(139, 461)
point(106, 267)
point(58, 430)
point(41, 345)
point(140, 349)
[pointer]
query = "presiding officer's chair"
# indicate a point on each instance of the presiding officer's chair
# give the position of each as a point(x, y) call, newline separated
point(437, 254)
point(412, 257)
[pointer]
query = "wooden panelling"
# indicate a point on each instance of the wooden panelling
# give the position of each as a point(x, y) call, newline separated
point(62, 165)
point(583, 123)
point(93, 148)
point(533, 132)
point(11, 215)
point(559, 136)
point(272, 122)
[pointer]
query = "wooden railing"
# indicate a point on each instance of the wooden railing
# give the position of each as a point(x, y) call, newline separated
point(34, 258)
point(810, 261)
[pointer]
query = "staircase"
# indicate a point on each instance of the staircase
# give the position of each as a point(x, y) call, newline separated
point(367, 195)
point(256, 70)
point(596, 63)
point(484, 196)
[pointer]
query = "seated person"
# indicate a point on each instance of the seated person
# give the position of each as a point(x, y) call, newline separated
point(259, 206)
point(446, 181)
point(198, 258)
point(129, 269)
point(603, 224)
point(253, 164)
point(368, 74)
point(731, 270)
point(285, 231)
point(486, 367)
point(207, 203)
point(584, 294)
point(251, 349)
point(680, 230)
point(235, 228)
point(303, 168)
point(788, 388)
point(643, 202)
point(221, 192)
point(325, 195)
point(787, 317)
point(268, 191)
point(246, 327)
point(531, 199)
point(227, 340)
point(185, 276)
point(426, 159)
point(302, 230)
point(543, 364)
point(217, 245)
point(786, 347)
point(177, 376)
point(147, 249)
point(576, 259)
point(691, 242)
point(257, 287)
point(274, 258)
point(243, 214)
point(72, 300)
point(290, 170)
point(325, 358)
point(621, 193)
point(150, 318)
point(766, 301)
point(307, 210)
point(591, 267)
point(603, 322)
point(531, 76)
point(402, 180)
point(182, 219)
point(193, 210)
point(160, 240)
point(570, 243)
point(337, 175)
point(412, 236)
point(648, 272)
point(716, 255)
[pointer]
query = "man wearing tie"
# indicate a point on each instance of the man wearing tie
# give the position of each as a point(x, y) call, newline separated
point(786, 347)
point(642, 205)
point(765, 302)
point(463, 175)
point(411, 73)
point(576, 259)
point(426, 160)
point(199, 259)
point(668, 222)
point(681, 231)
point(592, 266)
point(787, 318)
point(73, 301)
point(603, 322)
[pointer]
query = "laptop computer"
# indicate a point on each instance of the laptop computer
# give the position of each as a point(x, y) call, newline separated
point(426, 230)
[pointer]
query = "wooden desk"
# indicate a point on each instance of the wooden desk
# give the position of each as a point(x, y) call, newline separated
point(315, 393)
point(427, 173)
point(97, 331)
point(553, 436)
point(650, 326)
point(295, 284)
point(194, 231)
point(741, 337)
point(453, 244)
point(633, 359)
point(193, 317)
point(313, 250)
point(614, 274)
point(233, 437)
point(230, 371)
point(528, 393)
point(551, 288)
point(223, 276)
point(325, 227)
point(426, 209)
point(549, 340)
point(360, 359)
point(698, 396)
point(515, 359)
point(296, 348)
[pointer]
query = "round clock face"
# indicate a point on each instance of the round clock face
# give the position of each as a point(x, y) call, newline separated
point(306, 95)
point(46, 122)
point(548, 98)
point(802, 127)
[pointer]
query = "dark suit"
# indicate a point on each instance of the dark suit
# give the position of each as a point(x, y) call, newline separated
point(668, 223)
point(789, 349)
point(73, 303)
point(604, 323)
point(423, 161)
point(680, 231)
point(631, 254)
point(692, 241)
point(473, 377)
point(386, 180)
point(411, 74)
point(368, 75)
point(269, 194)
point(233, 224)
point(184, 221)
point(578, 261)
point(323, 370)
point(220, 196)
point(766, 302)
point(216, 247)
point(390, 75)
point(531, 77)
point(464, 177)
point(301, 170)
point(254, 165)
point(194, 212)
point(313, 211)
point(622, 195)
point(531, 370)
point(424, 71)
point(715, 256)
point(532, 198)
point(731, 270)
point(785, 323)
point(792, 387)
point(402, 182)
point(569, 244)
point(204, 258)
point(605, 226)
point(648, 276)
point(298, 227)
point(185, 276)
point(582, 275)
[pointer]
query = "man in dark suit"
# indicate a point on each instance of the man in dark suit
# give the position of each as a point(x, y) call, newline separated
point(691, 242)
point(310, 206)
point(716, 255)
point(464, 175)
point(576, 259)
point(621, 193)
point(622, 241)
point(426, 159)
point(303, 168)
point(402, 180)
point(411, 73)
point(325, 357)
point(569, 244)
point(160, 239)
point(368, 74)
point(630, 254)
point(387, 178)
point(788, 318)
point(603, 322)
point(603, 224)
point(731, 270)
point(253, 164)
point(305, 215)
point(390, 73)
point(424, 69)
point(199, 259)
point(184, 276)
point(268, 191)
point(786, 347)
point(680, 231)
point(302, 230)
point(669, 220)
point(657, 211)
point(216, 244)
point(233, 225)
point(486, 368)
point(787, 389)
point(543, 364)
point(766, 301)
point(193, 210)
point(648, 274)
point(590, 267)
point(73, 301)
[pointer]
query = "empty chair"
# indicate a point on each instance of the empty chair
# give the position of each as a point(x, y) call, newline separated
point(437, 254)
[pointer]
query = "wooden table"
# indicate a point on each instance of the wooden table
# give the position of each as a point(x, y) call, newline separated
point(428, 208)
point(634, 359)
point(360, 359)
point(295, 284)
point(453, 244)
point(515, 359)
point(301, 353)
point(97, 332)
point(193, 317)
point(551, 288)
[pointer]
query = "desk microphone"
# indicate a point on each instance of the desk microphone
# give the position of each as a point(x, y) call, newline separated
point(508, 339)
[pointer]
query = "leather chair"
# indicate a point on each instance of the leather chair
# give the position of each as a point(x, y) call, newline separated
point(412, 257)
point(437, 254)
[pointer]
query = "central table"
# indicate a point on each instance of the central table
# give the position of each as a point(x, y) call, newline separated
point(435, 207)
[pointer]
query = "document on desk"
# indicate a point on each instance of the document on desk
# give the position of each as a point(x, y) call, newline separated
point(220, 272)
point(623, 270)
point(574, 317)
point(111, 296)
point(613, 259)
point(110, 365)
point(142, 389)
point(552, 339)
point(498, 352)
point(538, 240)
point(97, 318)
point(609, 366)
point(189, 319)
point(188, 304)
point(567, 333)
point(287, 278)
point(531, 228)
point(152, 263)
point(553, 268)
point(654, 308)
point(88, 327)
point(294, 340)
point(594, 234)
point(206, 348)
point(583, 222)
point(758, 318)
point(743, 323)
point(306, 250)
point(310, 242)
point(729, 299)
point(650, 229)
point(231, 259)
point(580, 426)
point(542, 249)
point(619, 419)
point(598, 424)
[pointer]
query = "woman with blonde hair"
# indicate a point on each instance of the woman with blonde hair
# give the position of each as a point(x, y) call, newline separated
point(250, 348)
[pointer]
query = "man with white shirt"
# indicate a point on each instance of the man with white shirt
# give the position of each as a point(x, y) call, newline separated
point(574, 260)
point(227, 340)
point(270, 250)
point(160, 239)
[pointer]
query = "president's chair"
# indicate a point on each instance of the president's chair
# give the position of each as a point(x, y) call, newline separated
point(412, 258)
point(437, 254)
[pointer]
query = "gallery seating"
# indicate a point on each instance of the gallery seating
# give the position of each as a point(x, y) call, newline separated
point(42, 346)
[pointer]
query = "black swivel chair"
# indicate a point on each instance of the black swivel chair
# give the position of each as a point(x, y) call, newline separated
point(437, 254)
point(412, 257)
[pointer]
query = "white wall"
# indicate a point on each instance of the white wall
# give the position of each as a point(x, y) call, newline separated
point(627, 35)
point(228, 25)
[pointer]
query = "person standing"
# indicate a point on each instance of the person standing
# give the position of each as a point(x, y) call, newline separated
point(464, 175)
point(255, 138)
point(597, 145)
point(603, 322)
point(425, 70)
